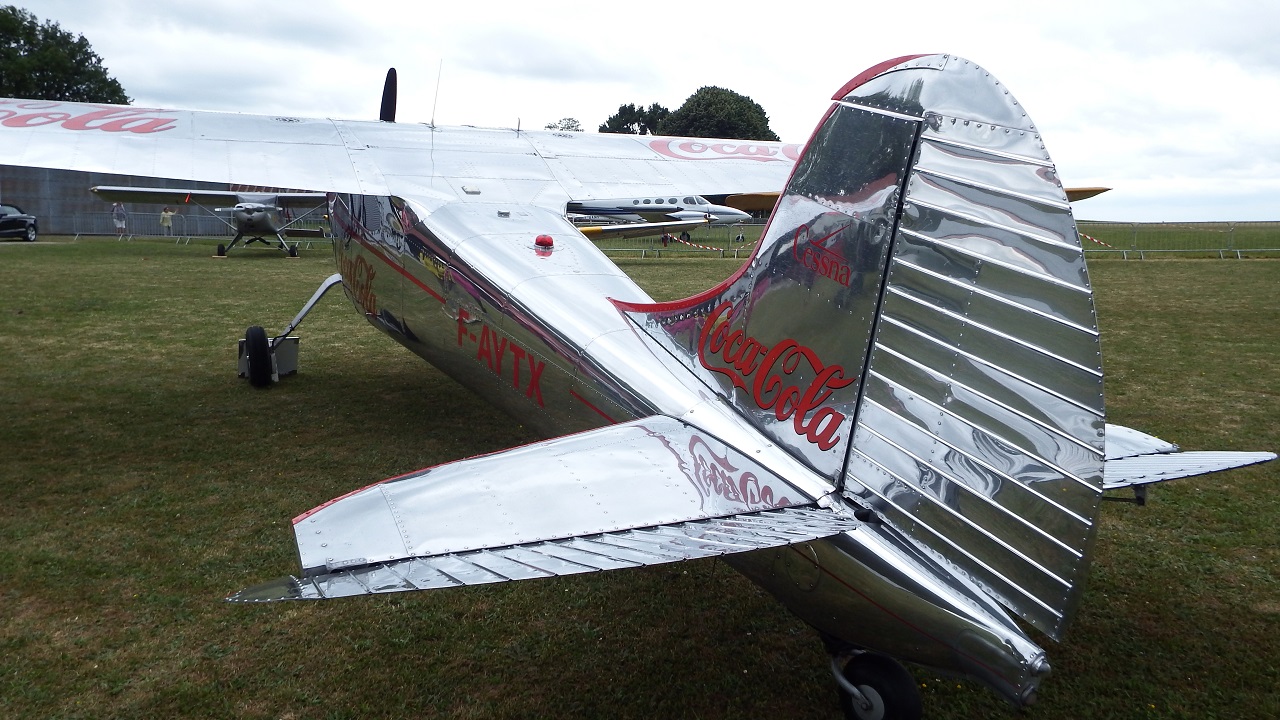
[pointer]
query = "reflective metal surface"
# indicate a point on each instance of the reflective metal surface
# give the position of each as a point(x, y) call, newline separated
point(646, 473)
point(786, 340)
point(981, 428)
point(590, 553)
point(1136, 458)
point(436, 164)
point(916, 328)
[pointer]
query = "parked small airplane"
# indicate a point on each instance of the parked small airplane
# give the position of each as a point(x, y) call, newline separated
point(891, 417)
point(659, 209)
point(254, 216)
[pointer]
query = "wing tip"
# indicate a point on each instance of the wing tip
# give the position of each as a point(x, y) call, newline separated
point(278, 590)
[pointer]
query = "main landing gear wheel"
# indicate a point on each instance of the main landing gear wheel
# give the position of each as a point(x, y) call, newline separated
point(890, 691)
point(222, 250)
point(293, 252)
point(258, 350)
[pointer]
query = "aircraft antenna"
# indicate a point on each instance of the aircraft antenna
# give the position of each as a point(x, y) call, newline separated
point(439, 72)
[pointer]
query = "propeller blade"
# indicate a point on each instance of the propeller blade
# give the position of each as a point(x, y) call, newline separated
point(388, 113)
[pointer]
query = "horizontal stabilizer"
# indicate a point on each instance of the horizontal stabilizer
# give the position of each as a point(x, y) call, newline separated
point(649, 491)
point(1135, 458)
point(1123, 442)
point(607, 551)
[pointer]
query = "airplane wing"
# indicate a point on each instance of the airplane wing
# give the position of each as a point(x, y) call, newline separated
point(1075, 194)
point(646, 492)
point(165, 196)
point(545, 169)
point(1136, 458)
point(187, 196)
point(764, 201)
point(634, 230)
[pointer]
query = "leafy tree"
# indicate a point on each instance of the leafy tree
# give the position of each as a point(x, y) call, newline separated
point(45, 62)
point(716, 112)
point(568, 124)
point(635, 120)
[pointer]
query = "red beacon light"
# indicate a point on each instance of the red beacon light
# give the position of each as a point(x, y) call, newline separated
point(544, 241)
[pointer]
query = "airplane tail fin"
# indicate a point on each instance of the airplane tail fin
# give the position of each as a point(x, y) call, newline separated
point(917, 325)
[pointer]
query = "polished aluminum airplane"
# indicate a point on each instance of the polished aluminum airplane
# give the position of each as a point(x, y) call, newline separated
point(255, 216)
point(891, 417)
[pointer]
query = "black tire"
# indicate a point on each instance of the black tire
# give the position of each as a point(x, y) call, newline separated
point(886, 684)
point(31, 233)
point(221, 251)
point(258, 350)
point(293, 251)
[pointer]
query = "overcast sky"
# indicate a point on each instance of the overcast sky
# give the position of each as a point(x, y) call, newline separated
point(1175, 107)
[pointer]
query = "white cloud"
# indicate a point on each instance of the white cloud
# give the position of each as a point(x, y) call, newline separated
point(1171, 105)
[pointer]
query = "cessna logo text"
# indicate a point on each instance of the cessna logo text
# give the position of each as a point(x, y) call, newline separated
point(106, 119)
point(764, 374)
point(814, 254)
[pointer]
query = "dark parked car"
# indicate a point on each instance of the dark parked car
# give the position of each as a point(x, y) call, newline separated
point(15, 223)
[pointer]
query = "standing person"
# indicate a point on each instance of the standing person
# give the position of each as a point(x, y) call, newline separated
point(119, 217)
point(166, 222)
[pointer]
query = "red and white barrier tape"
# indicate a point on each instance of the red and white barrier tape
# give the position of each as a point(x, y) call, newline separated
point(704, 247)
point(1090, 237)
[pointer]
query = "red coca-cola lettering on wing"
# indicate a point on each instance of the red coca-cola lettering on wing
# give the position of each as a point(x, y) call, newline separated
point(25, 114)
point(714, 475)
point(695, 150)
point(768, 375)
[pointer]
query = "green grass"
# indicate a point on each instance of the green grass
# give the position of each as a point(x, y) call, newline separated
point(142, 482)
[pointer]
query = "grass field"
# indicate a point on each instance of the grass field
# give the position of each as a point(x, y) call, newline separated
point(141, 482)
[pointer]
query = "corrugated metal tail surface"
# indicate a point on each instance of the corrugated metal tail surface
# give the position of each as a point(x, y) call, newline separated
point(979, 431)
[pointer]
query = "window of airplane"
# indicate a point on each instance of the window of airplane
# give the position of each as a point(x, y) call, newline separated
point(690, 201)
point(658, 201)
point(702, 201)
point(646, 201)
point(672, 201)
point(635, 202)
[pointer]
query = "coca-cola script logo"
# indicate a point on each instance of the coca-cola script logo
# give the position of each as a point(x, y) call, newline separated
point(357, 275)
point(25, 114)
point(694, 150)
point(763, 373)
point(715, 475)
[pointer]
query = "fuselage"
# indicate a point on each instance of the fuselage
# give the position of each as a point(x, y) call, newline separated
point(257, 219)
point(533, 329)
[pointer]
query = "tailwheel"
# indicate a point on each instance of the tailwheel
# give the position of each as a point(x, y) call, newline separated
point(888, 692)
point(257, 349)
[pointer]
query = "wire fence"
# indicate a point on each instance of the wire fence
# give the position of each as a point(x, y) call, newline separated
point(1223, 239)
point(184, 228)
point(1127, 240)
point(722, 241)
